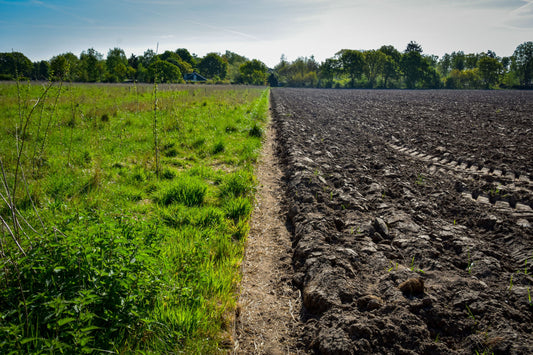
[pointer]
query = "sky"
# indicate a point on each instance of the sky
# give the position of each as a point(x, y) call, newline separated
point(263, 29)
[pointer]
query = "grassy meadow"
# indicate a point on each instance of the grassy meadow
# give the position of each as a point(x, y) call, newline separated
point(124, 210)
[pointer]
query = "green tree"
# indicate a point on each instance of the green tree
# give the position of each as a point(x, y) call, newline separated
point(41, 70)
point(374, 63)
point(73, 63)
point(522, 63)
point(506, 62)
point(165, 72)
point(412, 66)
point(445, 64)
point(391, 64)
point(301, 72)
point(92, 67)
point(463, 79)
point(186, 56)
point(310, 79)
point(15, 65)
point(419, 70)
point(430, 77)
point(116, 65)
point(283, 71)
point(327, 71)
point(148, 58)
point(458, 60)
point(352, 63)
point(213, 66)
point(142, 74)
point(490, 70)
point(413, 47)
point(133, 61)
point(174, 58)
point(234, 61)
point(273, 80)
point(390, 70)
point(64, 67)
point(254, 72)
point(391, 52)
point(470, 60)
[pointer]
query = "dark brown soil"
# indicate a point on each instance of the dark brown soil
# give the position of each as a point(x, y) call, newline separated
point(411, 215)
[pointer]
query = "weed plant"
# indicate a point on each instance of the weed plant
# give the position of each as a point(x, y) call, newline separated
point(117, 251)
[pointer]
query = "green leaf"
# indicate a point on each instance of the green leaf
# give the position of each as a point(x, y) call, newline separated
point(58, 269)
point(27, 340)
point(65, 321)
point(89, 328)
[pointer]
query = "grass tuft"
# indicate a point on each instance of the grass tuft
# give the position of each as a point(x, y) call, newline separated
point(218, 148)
point(237, 184)
point(238, 208)
point(185, 189)
point(256, 131)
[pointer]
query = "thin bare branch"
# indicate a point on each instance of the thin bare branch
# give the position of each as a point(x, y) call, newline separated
point(31, 200)
point(12, 235)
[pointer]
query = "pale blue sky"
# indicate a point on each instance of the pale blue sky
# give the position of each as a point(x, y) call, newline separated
point(263, 29)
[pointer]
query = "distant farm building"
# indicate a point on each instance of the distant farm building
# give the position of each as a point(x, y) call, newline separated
point(194, 77)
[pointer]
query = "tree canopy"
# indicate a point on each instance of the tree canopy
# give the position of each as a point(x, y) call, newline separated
point(523, 63)
point(385, 67)
point(212, 66)
point(351, 63)
point(15, 65)
point(164, 72)
point(254, 72)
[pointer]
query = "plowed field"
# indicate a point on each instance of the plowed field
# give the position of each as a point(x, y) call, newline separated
point(411, 214)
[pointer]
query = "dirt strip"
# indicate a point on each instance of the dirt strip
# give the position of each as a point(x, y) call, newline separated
point(268, 310)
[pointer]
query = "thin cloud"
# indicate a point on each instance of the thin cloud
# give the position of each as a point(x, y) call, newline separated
point(154, 2)
point(225, 29)
point(521, 17)
point(61, 10)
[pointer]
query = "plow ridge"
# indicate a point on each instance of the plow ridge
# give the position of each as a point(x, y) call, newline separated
point(399, 245)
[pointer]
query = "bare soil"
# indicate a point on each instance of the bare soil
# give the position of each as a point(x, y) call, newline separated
point(411, 218)
point(269, 304)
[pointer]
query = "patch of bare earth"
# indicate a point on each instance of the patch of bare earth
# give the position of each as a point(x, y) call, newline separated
point(268, 308)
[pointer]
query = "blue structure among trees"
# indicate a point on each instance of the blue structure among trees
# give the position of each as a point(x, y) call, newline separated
point(194, 77)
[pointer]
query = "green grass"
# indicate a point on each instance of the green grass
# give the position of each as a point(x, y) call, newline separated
point(183, 189)
point(114, 258)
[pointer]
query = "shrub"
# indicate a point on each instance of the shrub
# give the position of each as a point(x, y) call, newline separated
point(81, 291)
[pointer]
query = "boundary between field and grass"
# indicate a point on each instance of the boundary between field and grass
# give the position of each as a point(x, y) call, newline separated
point(268, 305)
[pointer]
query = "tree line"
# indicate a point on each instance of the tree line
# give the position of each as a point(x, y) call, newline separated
point(168, 67)
point(385, 67)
